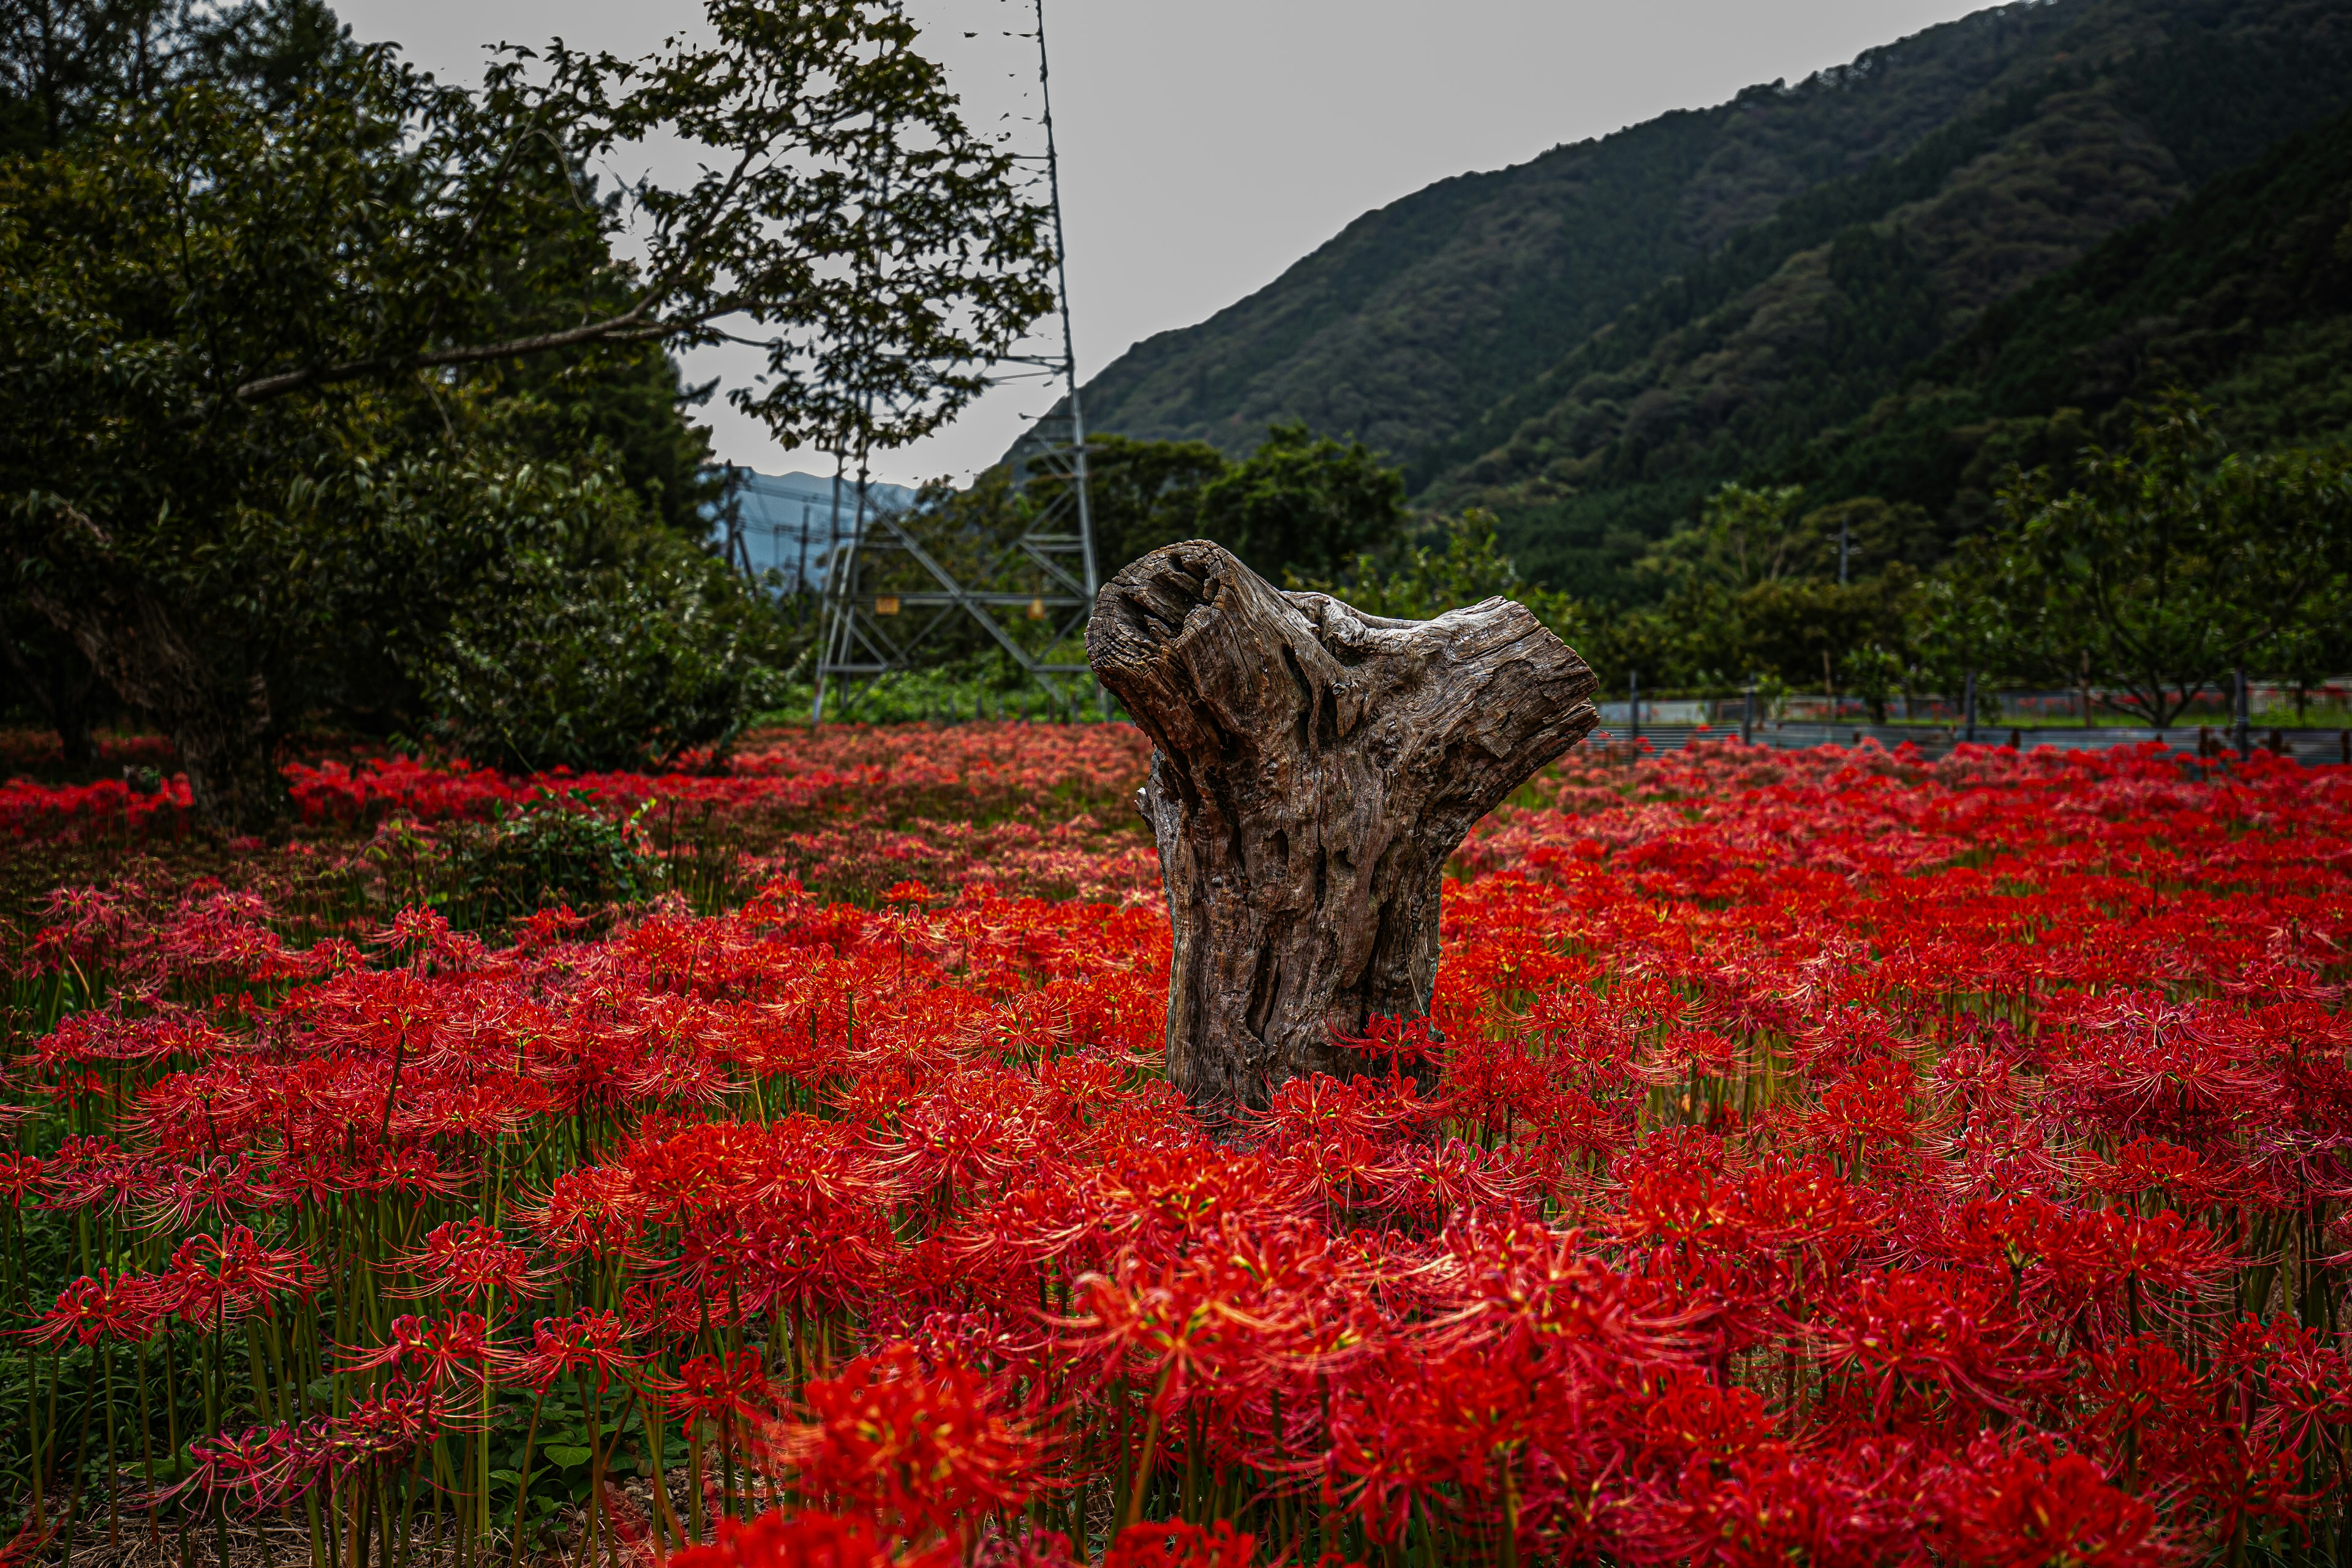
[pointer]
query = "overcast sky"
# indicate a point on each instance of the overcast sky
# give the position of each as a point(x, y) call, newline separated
point(1207, 145)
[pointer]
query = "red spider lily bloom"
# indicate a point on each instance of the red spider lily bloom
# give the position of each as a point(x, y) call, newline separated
point(196, 1193)
point(1855, 1510)
point(589, 1341)
point(715, 1388)
point(2034, 1506)
point(1180, 1545)
point(390, 1425)
point(269, 1466)
point(25, 1546)
point(20, 1177)
point(211, 1279)
point(89, 1311)
point(1404, 1042)
point(459, 1349)
point(1901, 1337)
point(924, 1452)
point(468, 1259)
point(803, 1541)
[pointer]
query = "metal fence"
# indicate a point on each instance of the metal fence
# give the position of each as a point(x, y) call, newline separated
point(2310, 747)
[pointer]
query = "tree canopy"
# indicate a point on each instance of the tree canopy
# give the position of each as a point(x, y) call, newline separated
point(270, 350)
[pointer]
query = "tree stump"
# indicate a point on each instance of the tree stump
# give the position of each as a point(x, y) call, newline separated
point(1315, 767)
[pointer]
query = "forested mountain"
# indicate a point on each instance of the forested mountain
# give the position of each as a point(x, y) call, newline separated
point(2242, 294)
point(1588, 341)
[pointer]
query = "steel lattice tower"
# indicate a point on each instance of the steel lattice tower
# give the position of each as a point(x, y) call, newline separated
point(1047, 574)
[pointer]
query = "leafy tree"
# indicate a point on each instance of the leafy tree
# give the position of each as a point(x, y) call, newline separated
point(1426, 582)
point(1753, 588)
point(1745, 537)
point(1306, 504)
point(1145, 494)
point(2169, 561)
point(627, 648)
point(44, 669)
point(223, 321)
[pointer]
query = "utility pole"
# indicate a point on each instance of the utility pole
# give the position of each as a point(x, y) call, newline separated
point(1047, 576)
point(1845, 533)
point(2243, 740)
point(1633, 705)
point(1969, 710)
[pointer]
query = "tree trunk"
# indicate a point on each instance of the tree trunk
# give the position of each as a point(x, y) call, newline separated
point(1316, 767)
point(60, 681)
point(218, 721)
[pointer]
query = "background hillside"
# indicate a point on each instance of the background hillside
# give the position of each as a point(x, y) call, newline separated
point(1588, 341)
point(2242, 294)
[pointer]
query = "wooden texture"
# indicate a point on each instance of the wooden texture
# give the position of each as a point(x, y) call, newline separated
point(1316, 767)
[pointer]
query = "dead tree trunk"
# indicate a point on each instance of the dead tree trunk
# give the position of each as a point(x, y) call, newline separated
point(1315, 768)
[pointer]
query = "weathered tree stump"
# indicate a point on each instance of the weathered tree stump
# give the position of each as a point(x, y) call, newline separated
point(1315, 768)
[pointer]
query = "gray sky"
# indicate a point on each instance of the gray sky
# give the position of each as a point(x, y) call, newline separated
point(1207, 145)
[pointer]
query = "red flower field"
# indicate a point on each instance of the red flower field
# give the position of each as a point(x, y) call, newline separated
point(1836, 1159)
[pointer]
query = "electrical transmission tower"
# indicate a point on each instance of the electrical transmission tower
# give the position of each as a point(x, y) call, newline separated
point(1031, 595)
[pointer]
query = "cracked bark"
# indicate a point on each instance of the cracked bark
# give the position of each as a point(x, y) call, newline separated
point(1315, 768)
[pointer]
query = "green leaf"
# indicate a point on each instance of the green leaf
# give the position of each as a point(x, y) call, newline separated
point(567, 1457)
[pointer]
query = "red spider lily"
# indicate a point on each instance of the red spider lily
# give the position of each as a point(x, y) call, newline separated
point(469, 1260)
point(1803, 1119)
point(1855, 1510)
point(389, 1425)
point(1180, 1545)
point(20, 1177)
point(802, 1540)
point(25, 1546)
point(211, 1279)
point(1402, 1042)
point(2034, 1505)
point(269, 1467)
point(89, 1311)
point(459, 1349)
point(597, 1342)
point(926, 1452)
point(718, 1388)
point(1901, 1338)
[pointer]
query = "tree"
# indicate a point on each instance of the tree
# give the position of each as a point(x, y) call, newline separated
point(2166, 563)
point(615, 645)
point(222, 319)
point(67, 64)
point(1425, 582)
point(49, 672)
point(1754, 588)
point(1314, 769)
point(1145, 494)
point(1306, 504)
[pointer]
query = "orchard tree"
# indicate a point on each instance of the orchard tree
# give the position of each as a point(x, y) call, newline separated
point(242, 339)
point(1305, 503)
point(2163, 564)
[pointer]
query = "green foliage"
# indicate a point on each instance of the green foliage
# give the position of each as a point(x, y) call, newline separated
point(1145, 494)
point(2243, 292)
point(1470, 569)
point(1420, 319)
point(242, 330)
point(1304, 503)
point(554, 852)
point(2163, 565)
point(1590, 343)
point(1751, 590)
point(629, 648)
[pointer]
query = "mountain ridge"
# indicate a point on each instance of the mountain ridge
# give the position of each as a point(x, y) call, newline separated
point(1771, 268)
